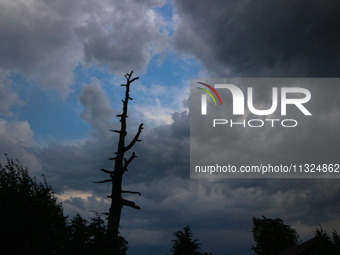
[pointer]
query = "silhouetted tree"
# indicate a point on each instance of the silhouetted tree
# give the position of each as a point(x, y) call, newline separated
point(79, 236)
point(184, 244)
point(99, 239)
point(120, 167)
point(326, 244)
point(89, 238)
point(31, 219)
point(272, 236)
point(336, 241)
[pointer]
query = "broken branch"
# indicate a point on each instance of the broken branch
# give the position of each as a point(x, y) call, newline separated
point(108, 180)
point(130, 204)
point(131, 192)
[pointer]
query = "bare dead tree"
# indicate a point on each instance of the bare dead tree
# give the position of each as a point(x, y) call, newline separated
point(120, 167)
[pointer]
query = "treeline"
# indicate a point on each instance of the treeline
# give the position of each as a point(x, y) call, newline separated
point(32, 222)
point(273, 237)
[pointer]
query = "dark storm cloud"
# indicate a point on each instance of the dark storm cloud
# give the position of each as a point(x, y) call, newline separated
point(261, 38)
point(164, 151)
point(313, 140)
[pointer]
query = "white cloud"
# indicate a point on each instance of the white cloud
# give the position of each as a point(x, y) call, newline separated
point(16, 140)
point(124, 36)
point(97, 110)
point(156, 114)
point(46, 40)
point(157, 103)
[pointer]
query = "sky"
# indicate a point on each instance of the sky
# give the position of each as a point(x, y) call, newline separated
point(61, 66)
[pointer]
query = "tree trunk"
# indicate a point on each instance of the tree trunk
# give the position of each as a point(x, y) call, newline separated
point(120, 167)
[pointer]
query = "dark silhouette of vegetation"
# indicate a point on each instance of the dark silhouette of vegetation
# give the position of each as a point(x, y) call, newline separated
point(120, 167)
point(319, 245)
point(184, 244)
point(327, 245)
point(90, 238)
point(32, 221)
point(272, 236)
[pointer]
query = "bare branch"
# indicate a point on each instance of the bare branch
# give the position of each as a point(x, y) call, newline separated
point(117, 131)
point(135, 139)
point(106, 171)
point(131, 192)
point(108, 180)
point(128, 77)
point(136, 78)
point(127, 162)
point(130, 204)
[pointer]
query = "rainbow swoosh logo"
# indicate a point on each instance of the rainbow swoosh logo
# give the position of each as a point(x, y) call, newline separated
point(209, 93)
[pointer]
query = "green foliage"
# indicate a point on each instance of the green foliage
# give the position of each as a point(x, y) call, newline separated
point(272, 236)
